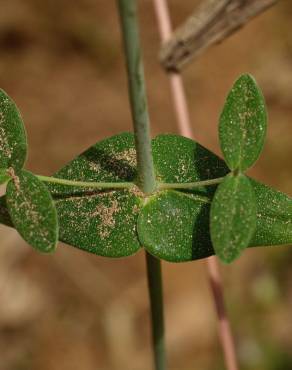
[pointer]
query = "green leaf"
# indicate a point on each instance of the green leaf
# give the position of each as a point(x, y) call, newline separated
point(32, 211)
point(103, 223)
point(179, 159)
point(175, 227)
point(110, 160)
point(185, 235)
point(233, 217)
point(243, 124)
point(100, 222)
point(274, 216)
point(13, 143)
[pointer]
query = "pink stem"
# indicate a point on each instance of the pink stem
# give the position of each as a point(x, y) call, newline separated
point(185, 128)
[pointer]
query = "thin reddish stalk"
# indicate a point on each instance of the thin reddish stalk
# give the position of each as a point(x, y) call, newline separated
point(185, 128)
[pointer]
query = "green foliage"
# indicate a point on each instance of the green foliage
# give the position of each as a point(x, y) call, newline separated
point(181, 160)
point(242, 131)
point(233, 217)
point(172, 224)
point(274, 216)
point(101, 222)
point(32, 211)
point(243, 122)
point(104, 222)
point(179, 220)
point(111, 160)
point(13, 144)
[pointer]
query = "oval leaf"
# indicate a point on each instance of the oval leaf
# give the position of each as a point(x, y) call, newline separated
point(179, 159)
point(100, 222)
point(175, 227)
point(232, 217)
point(103, 223)
point(13, 143)
point(243, 122)
point(32, 211)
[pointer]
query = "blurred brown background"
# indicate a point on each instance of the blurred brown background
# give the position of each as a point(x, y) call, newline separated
point(61, 61)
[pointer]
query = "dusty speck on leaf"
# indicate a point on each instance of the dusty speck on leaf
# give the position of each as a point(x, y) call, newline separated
point(107, 216)
point(128, 155)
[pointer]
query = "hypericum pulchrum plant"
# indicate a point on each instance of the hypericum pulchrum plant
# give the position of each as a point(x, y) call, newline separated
point(95, 203)
point(171, 196)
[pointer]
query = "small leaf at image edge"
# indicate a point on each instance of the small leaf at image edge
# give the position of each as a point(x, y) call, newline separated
point(32, 211)
point(13, 142)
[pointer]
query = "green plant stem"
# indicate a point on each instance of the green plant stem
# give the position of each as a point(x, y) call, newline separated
point(87, 184)
point(137, 94)
point(189, 185)
point(147, 183)
point(127, 185)
point(156, 301)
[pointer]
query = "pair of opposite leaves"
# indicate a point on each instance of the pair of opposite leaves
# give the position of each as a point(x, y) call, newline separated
point(171, 224)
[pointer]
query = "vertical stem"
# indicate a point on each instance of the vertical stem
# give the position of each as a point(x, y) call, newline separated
point(156, 302)
point(137, 94)
point(147, 183)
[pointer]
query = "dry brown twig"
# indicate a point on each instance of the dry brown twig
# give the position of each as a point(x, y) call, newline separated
point(210, 24)
point(185, 128)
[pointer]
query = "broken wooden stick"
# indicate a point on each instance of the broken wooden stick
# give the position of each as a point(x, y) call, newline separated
point(210, 24)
